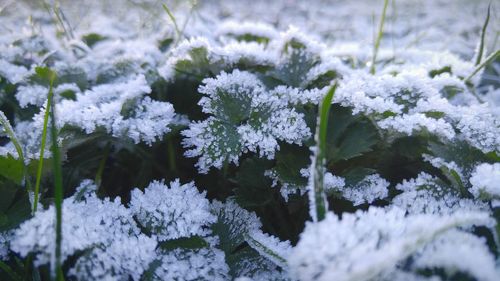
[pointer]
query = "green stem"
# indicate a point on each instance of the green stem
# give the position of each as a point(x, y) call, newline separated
point(483, 35)
point(379, 37)
point(58, 193)
point(318, 173)
point(9, 271)
point(487, 61)
point(44, 140)
point(172, 18)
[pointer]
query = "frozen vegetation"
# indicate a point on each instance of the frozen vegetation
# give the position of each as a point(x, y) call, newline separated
point(183, 140)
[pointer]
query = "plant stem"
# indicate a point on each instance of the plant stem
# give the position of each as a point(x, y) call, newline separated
point(58, 193)
point(318, 166)
point(483, 35)
point(379, 37)
point(172, 18)
point(44, 140)
point(487, 61)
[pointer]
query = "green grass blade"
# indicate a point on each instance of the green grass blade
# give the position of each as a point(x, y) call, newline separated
point(483, 35)
point(14, 276)
point(58, 193)
point(379, 37)
point(174, 21)
point(318, 173)
point(44, 140)
point(487, 61)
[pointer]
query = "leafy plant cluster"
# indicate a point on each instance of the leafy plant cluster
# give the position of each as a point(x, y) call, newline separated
point(249, 154)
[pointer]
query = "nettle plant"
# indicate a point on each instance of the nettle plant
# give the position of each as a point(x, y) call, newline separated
point(252, 154)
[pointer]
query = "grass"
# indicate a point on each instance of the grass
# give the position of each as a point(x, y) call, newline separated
point(319, 170)
point(174, 21)
point(483, 35)
point(379, 37)
point(43, 143)
point(487, 61)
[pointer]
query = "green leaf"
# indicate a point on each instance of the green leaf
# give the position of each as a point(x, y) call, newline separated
point(92, 38)
point(289, 160)
point(193, 242)
point(293, 71)
point(349, 135)
point(11, 168)
point(15, 206)
point(254, 188)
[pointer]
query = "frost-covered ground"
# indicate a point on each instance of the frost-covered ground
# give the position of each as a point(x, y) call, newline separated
point(192, 147)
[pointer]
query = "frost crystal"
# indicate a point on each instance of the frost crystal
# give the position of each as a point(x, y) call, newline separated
point(200, 264)
point(459, 251)
point(426, 195)
point(369, 189)
point(363, 245)
point(171, 213)
point(486, 179)
point(245, 117)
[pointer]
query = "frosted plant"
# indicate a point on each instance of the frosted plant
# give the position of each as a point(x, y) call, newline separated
point(362, 245)
point(191, 264)
point(88, 222)
point(458, 251)
point(121, 109)
point(125, 257)
point(172, 212)
point(427, 194)
point(369, 189)
point(236, 226)
point(270, 247)
point(485, 180)
point(245, 117)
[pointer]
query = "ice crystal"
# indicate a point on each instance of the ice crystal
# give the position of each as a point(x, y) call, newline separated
point(362, 245)
point(172, 212)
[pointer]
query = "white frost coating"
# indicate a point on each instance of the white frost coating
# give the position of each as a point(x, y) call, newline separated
point(424, 195)
point(123, 258)
point(239, 220)
point(410, 124)
point(270, 247)
point(5, 238)
point(31, 95)
point(89, 222)
point(486, 179)
point(13, 73)
point(171, 213)
point(363, 245)
point(332, 182)
point(200, 264)
point(103, 106)
point(369, 189)
point(264, 118)
point(258, 29)
point(459, 251)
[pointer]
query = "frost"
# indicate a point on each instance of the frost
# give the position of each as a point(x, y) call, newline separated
point(200, 264)
point(369, 189)
point(486, 179)
point(86, 223)
point(124, 257)
point(105, 106)
point(410, 124)
point(425, 195)
point(171, 213)
point(263, 119)
point(270, 247)
point(458, 251)
point(363, 245)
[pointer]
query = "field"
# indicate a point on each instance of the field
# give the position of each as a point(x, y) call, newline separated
point(250, 140)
